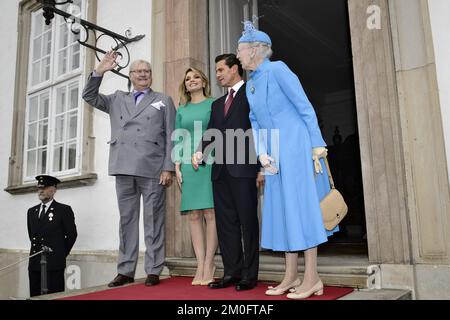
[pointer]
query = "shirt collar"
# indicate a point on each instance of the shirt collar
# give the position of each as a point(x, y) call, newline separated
point(236, 87)
point(47, 205)
point(144, 91)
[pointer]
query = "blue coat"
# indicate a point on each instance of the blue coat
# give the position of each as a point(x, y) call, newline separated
point(292, 219)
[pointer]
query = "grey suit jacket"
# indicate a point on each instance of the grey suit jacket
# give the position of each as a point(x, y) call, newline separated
point(140, 135)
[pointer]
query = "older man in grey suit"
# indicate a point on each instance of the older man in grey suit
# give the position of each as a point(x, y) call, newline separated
point(142, 123)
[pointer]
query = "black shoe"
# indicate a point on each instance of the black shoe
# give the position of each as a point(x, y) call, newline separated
point(120, 280)
point(245, 284)
point(152, 280)
point(224, 282)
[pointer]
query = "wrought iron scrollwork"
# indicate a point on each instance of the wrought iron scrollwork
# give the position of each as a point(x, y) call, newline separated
point(121, 42)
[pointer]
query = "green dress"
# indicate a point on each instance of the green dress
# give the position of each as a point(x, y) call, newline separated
point(191, 122)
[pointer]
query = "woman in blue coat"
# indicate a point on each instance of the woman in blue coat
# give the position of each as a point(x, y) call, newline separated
point(288, 139)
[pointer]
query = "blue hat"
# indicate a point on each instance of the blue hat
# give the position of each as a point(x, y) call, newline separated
point(251, 34)
point(47, 181)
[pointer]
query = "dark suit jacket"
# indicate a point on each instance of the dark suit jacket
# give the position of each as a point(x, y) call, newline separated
point(57, 232)
point(236, 119)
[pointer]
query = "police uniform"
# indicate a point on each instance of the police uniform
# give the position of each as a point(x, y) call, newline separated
point(55, 228)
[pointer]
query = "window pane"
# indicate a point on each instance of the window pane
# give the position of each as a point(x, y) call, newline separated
point(33, 110)
point(71, 156)
point(43, 111)
point(73, 98)
point(76, 61)
point(32, 135)
point(73, 117)
point(36, 76)
point(48, 43)
point(63, 36)
point(43, 133)
point(42, 161)
point(45, 70)
point(61, 100)
point(58, 158)
point(75, 56)
point(37, 49)
point(59, 129)
point(31, 163)
point(46, 27)
point(62, 62)
point(38, 23)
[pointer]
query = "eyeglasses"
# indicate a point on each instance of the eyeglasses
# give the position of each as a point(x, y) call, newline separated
point(141, 71)
point(243, 49)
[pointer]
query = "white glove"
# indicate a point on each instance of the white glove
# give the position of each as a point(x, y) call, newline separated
point(318, 153)
point(266, 162)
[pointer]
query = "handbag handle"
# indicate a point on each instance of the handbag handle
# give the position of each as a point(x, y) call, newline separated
point(330, 177)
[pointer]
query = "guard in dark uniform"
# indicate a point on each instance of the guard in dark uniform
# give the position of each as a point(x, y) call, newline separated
point(50, 224)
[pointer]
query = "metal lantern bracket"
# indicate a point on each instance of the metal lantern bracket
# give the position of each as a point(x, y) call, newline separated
point(49, 7)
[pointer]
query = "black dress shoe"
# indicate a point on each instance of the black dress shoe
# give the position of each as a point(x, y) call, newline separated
point(120, 280)
point(245, 284)
point(223, 283)
point(152, 280)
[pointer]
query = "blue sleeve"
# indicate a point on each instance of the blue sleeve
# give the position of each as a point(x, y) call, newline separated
point(292, 88)
point(258, 136)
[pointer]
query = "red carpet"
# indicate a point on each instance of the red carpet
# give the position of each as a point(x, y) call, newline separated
point(179, 288)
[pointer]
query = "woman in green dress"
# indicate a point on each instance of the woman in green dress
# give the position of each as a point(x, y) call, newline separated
point(196, 187)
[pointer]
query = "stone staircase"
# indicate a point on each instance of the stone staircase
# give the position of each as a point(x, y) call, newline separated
point(348, 271)
point(353, 271)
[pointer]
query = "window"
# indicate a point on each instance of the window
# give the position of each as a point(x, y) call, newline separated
point(54, 110)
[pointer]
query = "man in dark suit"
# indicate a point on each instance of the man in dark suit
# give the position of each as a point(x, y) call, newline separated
point(235, 176)
point(50, 224)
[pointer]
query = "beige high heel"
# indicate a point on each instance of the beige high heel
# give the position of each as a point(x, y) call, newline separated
point(196, 282)
point(316, 290)
point(280, 291)
point(206, 282)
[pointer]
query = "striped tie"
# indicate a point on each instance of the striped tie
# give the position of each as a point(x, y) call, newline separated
point(136, 96)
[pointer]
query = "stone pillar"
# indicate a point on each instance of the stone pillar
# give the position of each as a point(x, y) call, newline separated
point(380, 134)
point(424, 148)
point(186, 27)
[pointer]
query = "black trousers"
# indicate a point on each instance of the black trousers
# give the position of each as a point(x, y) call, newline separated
point(236, 207)
point(55, 282)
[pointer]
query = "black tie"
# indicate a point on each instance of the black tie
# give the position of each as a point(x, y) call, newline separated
point(42, 211)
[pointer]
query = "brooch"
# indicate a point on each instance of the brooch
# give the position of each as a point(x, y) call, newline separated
point(252, 89)
point(50, 217)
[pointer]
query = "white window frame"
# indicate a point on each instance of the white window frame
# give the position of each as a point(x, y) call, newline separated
point(52, 86)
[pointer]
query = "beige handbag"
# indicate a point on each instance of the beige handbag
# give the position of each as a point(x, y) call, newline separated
point(333, 206)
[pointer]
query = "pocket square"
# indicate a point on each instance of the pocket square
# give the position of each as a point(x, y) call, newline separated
point(158, 105)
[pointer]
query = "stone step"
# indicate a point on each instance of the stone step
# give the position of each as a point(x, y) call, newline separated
point(382, 294)
point(334, 271)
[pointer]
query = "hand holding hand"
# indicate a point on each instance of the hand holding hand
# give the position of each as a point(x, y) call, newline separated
point(108, 63)
point(318, 153)
point(197, 159)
